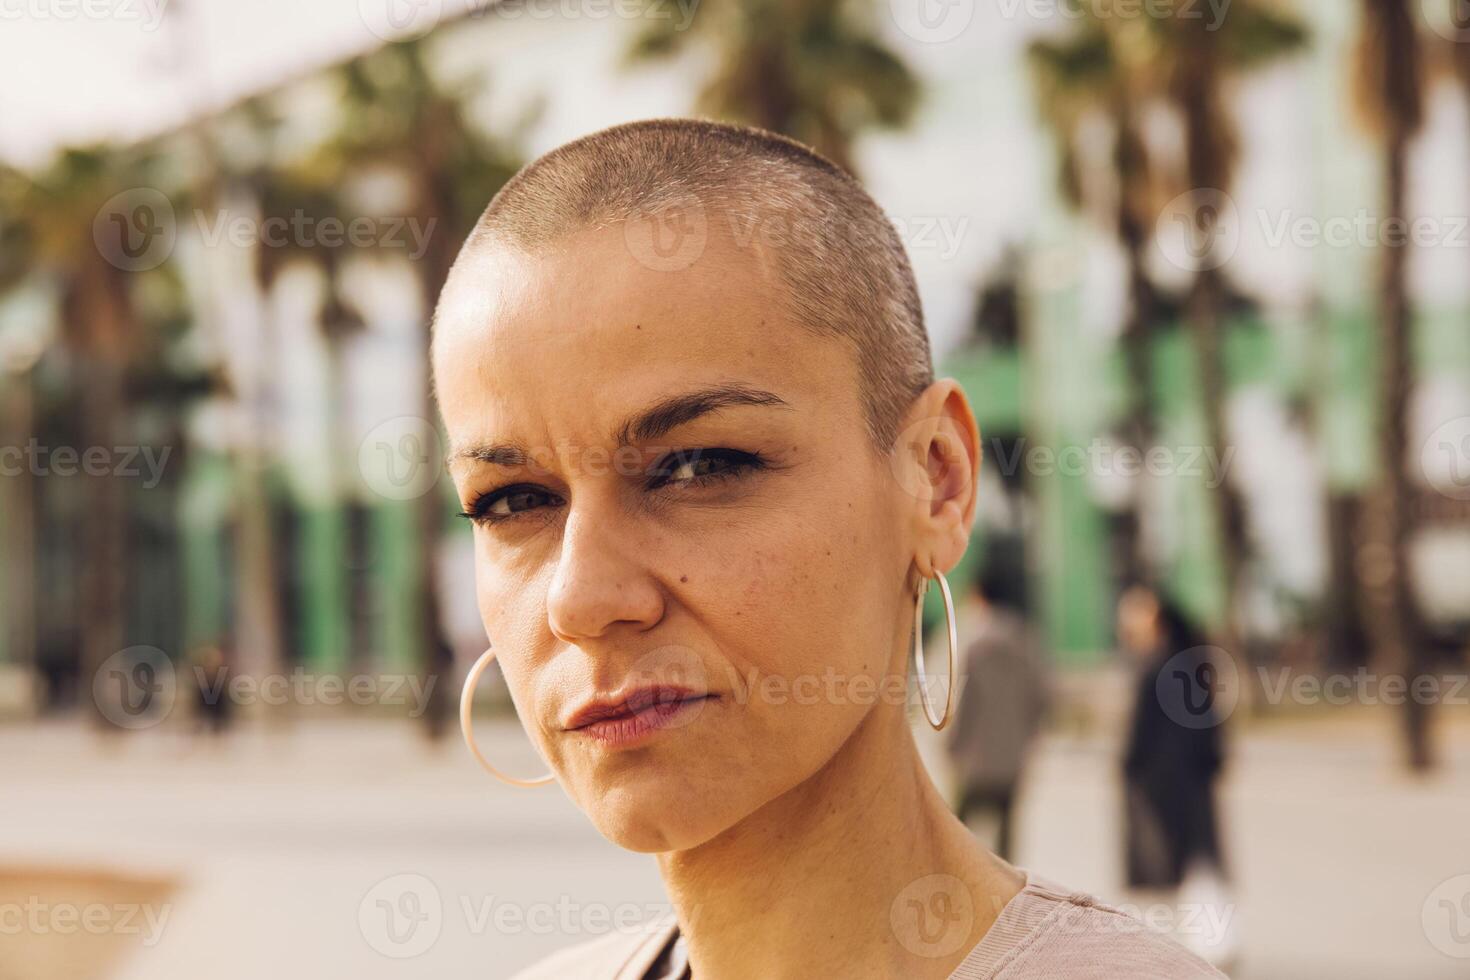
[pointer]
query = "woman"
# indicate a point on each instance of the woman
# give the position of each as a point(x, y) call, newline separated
point(685, 379)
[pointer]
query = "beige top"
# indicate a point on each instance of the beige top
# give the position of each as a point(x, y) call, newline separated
point(1044, 932)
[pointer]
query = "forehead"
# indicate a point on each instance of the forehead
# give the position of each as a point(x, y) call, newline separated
point(588, 328)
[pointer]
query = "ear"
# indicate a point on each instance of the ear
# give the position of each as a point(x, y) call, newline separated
point(937, 461)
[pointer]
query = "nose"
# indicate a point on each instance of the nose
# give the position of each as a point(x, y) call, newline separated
point(600, 581)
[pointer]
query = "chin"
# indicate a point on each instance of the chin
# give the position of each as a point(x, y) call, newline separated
point(652, 817)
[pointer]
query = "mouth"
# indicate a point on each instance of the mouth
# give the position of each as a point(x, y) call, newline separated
point(624, 720)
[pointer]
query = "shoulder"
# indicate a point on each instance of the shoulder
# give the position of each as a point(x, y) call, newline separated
point(614, 956)
point(1052, 931)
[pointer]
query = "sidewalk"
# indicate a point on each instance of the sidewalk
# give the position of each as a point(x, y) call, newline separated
point(352, 849)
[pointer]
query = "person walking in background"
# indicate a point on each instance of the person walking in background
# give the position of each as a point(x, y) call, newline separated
point(211, 672)
point(1173, 756)
point(1000, 705)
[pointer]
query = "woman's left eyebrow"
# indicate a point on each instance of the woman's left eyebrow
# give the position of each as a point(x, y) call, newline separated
point(645, 426)
point(663, 416)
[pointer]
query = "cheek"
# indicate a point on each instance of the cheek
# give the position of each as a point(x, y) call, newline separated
point(808, 605)
point(497, 596)
point(489, 593)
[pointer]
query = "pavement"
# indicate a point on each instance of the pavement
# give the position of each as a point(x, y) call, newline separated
point(354, 849)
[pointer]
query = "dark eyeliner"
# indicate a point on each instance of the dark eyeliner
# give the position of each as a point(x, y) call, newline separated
point(478, 512)
point(738, 461)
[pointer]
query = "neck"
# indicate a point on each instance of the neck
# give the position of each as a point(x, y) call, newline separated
point(833, 878)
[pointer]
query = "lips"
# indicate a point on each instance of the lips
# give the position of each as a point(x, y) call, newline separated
point(627, 718)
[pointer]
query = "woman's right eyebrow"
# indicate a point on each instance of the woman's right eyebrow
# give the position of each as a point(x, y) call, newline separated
point(499, 454)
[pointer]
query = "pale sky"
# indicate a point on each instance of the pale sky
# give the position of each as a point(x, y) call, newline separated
point(967, 177)
point(973, 173)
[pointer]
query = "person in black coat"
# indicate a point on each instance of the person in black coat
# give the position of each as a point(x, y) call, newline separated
point(1174, 751)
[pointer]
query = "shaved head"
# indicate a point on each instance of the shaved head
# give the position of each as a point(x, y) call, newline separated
point(844, 268)
point(686, 391)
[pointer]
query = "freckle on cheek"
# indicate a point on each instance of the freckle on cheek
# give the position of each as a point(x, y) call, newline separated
point(683, 578)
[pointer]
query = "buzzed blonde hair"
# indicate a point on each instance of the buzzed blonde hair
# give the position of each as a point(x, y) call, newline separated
point(844, 266)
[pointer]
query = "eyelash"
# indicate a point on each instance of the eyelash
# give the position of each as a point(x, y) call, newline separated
point(737, 463)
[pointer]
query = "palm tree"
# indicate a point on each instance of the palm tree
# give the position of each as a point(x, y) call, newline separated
point(1202, 61)
point(285, 193)
point(397, 116)
point(1391, 97)
point(1112, 67)
point(59, 210)
point(810, 69)
point(1102, 71)
point(19, 565)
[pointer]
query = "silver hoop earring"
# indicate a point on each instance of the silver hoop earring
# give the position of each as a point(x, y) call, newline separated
point(954, 643)
point(466, 725)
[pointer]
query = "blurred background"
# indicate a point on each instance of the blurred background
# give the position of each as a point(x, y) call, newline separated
point(1203, 267)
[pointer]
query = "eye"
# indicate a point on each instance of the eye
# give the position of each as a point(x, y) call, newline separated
point(508, 502)
point(685, 468)
point(698, 466)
